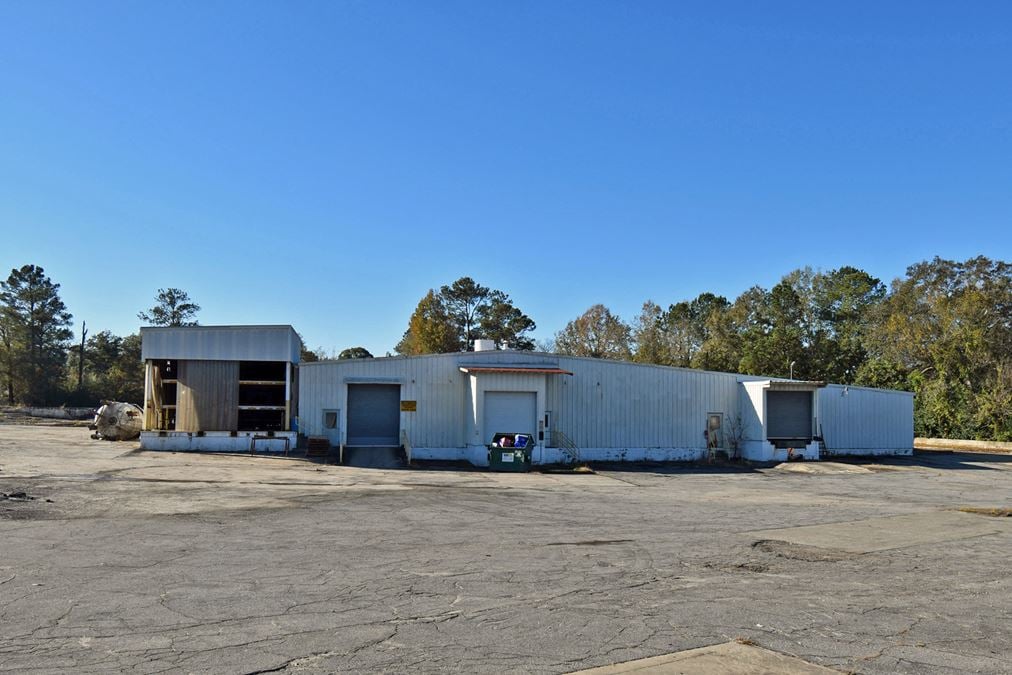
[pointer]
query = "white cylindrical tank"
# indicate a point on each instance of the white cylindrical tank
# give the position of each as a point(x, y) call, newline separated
point(484, 345)
point(118, 422)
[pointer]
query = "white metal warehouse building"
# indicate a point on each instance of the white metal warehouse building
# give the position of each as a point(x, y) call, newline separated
point(448, 406)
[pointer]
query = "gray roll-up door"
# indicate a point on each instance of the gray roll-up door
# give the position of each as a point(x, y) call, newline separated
point(789, 414)
point(374, 414)
point(510, 412)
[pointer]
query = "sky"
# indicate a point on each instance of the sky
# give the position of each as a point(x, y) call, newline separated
point(324, 164)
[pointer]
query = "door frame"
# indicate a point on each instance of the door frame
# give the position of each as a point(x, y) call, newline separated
point(333, 433)
point(371, 383)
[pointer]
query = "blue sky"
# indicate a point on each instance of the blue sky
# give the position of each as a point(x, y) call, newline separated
point(325, 163)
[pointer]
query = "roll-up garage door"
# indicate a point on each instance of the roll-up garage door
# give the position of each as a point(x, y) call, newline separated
point(374, 414)
point(789, 414)
point(510, 412)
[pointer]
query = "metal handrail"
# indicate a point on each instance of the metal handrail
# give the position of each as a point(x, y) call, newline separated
point(822, 440)
point(566, 444)
point(260, 437)
point(407, 445)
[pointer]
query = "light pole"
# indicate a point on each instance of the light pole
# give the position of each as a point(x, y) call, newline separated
point(792, 369)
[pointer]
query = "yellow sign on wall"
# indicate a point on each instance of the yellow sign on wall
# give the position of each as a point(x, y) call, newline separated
point(409, 406)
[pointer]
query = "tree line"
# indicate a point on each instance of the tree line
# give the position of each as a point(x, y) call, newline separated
point(942, 331)
point(41, 362)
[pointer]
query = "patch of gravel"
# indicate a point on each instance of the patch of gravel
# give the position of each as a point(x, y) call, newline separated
point(785, 549)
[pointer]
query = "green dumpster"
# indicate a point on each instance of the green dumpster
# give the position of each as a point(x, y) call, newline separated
point(510, 452)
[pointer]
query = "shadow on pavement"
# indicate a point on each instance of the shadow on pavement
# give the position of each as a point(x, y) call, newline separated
point(720, 467)
point(935, 459)
point(959, 460)
point(374, 458)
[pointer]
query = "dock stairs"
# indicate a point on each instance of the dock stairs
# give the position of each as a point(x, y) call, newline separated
point(566, 445)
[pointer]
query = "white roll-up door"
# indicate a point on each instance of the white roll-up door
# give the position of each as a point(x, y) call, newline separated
point(510, 412)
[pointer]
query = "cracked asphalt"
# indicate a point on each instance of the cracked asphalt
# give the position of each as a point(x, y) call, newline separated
point(162, 562)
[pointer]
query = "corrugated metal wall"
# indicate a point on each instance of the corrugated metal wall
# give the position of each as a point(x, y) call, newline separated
point(753, 411)
point(611, 404)
point(435, 382)
point(223, 343)
point(604, 404)
point(855, 418)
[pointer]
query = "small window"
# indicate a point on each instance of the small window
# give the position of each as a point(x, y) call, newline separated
point(330, 420)
point(713, 435)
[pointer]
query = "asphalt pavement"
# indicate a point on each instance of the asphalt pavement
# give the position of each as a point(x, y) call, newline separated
point(116, 560)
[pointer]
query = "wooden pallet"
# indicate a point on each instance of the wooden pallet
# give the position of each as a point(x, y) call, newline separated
point(318, 446)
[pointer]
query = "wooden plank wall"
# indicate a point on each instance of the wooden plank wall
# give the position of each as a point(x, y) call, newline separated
point(207, 396)
point(153, 394)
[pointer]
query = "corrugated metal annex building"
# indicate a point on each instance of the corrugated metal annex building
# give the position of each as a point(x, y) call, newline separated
point(448, 406)
point(228, 388)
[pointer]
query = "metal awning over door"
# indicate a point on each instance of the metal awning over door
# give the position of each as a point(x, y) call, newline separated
point(374, 416)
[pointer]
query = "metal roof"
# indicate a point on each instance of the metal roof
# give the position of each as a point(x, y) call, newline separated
point(793, 385)
point(221, 343)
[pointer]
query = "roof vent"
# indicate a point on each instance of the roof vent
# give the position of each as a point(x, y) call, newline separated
point(484, 345)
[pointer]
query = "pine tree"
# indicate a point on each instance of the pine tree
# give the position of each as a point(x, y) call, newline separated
point(173, 308)
point(35, 335)
point(355, 353)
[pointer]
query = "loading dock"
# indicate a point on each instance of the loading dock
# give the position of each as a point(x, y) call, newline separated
point(511, 411)
point(789, 418)
point(374, 417)
point(779, 419)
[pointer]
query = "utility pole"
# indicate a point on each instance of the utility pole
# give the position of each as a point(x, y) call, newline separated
point(80, 355)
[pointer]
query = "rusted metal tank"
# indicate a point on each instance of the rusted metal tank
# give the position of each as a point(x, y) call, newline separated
point(117, 421)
